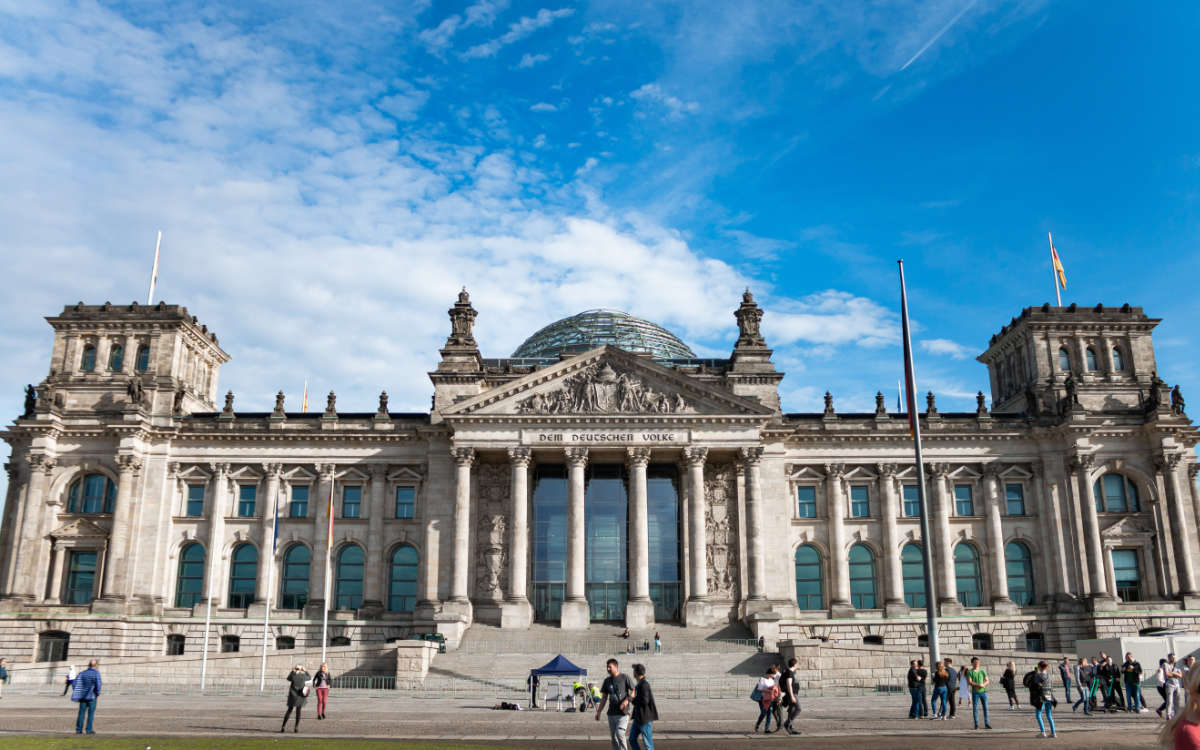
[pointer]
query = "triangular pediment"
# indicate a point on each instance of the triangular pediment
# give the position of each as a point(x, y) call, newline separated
point(1125, 528)
point(79, 528)
point(607, 381)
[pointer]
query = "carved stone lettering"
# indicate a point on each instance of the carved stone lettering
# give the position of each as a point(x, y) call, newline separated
point(491, 548)
point(600, 389)
point(720, 516)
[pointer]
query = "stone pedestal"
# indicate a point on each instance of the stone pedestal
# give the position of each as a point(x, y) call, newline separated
point(314, 609)
point(1004, 606)
point(639, 614)
point(370, 610)
point(950, 607)
point(452, 627)
point(256, 610)
point(895, 609)
point(1190, 601)
point(840, 610)
point(1102, 603)
point(575, 615)
point(516, 614)
point(108, 605)
point(698, 613)
point(459, 608)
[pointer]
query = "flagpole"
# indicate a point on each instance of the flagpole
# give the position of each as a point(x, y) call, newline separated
point(922, 502)
point(207, 620)
point(328, 553)
point(1054, 270)
point(262, 682)
point(154, 273)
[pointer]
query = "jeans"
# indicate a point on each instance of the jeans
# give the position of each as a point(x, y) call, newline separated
point(1048, 709)
point(915, 710)
point(1133, 695)
point(952, 697)
point(792, 710)
point(647, 733)
point(618, 729)
point(1084, 701)
point(976, 699)
point(88, 708)
point(1173, 696)
point(1067, 688)
point(763, 711)
point(924, 701)
point(939, 692)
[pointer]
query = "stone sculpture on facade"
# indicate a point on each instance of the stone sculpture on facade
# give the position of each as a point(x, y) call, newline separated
point(930, 404)
point(1177, 403)
point(383, 403)
point(228, 410)
point(491, 548)
point(829, 404)
point(331, 405)
point(720, 490)
point(462, 321)
point(30, 401)
point(278, 412)
point(748, 316)
point(880, 405)
point(135, 391)
point(600, 389)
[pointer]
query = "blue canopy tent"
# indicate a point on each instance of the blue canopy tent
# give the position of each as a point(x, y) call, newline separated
point(559, 666)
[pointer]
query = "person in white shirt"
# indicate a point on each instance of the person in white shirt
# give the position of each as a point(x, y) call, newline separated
point(71, 675)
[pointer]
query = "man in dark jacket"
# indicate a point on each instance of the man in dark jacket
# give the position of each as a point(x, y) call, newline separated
point(914, 690)
point(645, 711)
point(787, 687)
point(952, 686)
point(923, 679)
point(1131, 671)
point(86, 692)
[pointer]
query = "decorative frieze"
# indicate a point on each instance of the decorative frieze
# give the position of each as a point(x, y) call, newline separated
point(720, 523)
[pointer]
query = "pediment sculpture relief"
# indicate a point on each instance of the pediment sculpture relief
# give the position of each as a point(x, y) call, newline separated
point(600, 389)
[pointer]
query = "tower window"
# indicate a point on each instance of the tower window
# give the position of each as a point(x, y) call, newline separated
point(1118, 360)
point(1064, 360)
point(1091, 360)
point(116, 358)
point(87, 362)
point(142, 363)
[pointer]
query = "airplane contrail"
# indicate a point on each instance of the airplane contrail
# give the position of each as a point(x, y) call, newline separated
point(938, 35)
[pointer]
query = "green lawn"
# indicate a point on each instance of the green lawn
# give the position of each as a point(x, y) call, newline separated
point(19, 742)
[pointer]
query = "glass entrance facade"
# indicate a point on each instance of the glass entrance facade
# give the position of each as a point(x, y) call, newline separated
point(662, 501)
point(549, 542)
point(606, 571)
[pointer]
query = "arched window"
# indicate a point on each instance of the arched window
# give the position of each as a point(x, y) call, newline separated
point(981, 642)
point(1064, 360)
point(923, 640)
point(912, 567)
point(53, 645)
point(402, 580)
point(243, 572)
point(142, 363)
point(339, 640)
point(1091, 360)
point(966, 575)
point(1035, 642)
point(809, 586)
point(175, 644)
point(348, 594)
point(862, 577)
point(116, 357)
point(293, 590)
point(1018, 564)
point(189, 584)
point(230, 644)
point(87, 362)
point(1116, 493)
point(94, 493)
point(1118, 360)
point(285, 643)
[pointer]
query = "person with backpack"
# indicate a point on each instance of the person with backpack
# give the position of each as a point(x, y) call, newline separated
point(645, 712)
point(914, 690)
point(86, 691)
point(1131, 673)
point(1008, 681)
point(1160, 682)
point(977, 678)
point(789, 689)
point(1041, 697)
point(765, 694)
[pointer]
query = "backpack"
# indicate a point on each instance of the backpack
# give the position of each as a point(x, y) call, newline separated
point(1027, 680)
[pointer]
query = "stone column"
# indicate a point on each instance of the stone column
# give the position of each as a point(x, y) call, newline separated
point(697, 610)
point(55, 584)
point(267, 577)
point(575, 614)
point(1052, 524)
point(839, 567)
point(947, 586)
point(757, 561)
point(129, 358)
point(115, 573)
point(639, 610)
point(1001, 604)
point(373, 591)
point(890, 511)
point(27, 541)
point(1080, 467)
point(319, 503)
point(516, 612)
point(216, 537)
point(464, 458)
point(685, 525)
point(429, 569)
point(1172, 466)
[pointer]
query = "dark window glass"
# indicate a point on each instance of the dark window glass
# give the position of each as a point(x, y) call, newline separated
point(116, 357)
point(405, 501)
point(402, 582)
point(912, 571)
point(1014, 498)
point(549, 541)
point(189, 584)
point(293, 593)
point(605, 555)
point(1091, 360)
point(662, 504)
point(81, 577)
point(912, 503)
point(809, 583)
point(195, 499)
point(1118, 360)
point(1115, 493)
point(862, 577)
point(1064, 360)
point(230, 644)
point(349, 584)
point(1128, 574)
point(1019, 569)
point(923, 640)
point(243, 573)
point(339, 640)
point(981, 641)
point(873, 640)
point(143, 359)
point(285, 643)
point(53, 645)
point(247, 494)
point(298, 507)
point(860, 501)
point(806, 502)
point(88, 362)
point(175, 644)
point(964, 500)
point(94, 493)
point(1035, 642)
point(966, 575)
point(351, 501)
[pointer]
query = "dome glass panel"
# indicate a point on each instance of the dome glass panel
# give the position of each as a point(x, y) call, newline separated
point(594, 328)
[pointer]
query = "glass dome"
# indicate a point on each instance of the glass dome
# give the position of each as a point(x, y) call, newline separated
point(593, 328)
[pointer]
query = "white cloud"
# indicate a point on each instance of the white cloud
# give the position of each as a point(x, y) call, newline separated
point(543, 107)
point(405, 103)
point(518, 31)
point(482, 14)
point(528, 60)
point(654, 94)
point(948, 348)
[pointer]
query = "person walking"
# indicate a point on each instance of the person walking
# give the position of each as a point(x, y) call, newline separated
point(1131, 673)
point(86, 692)
point(964, 687)
point(1114, 682)
point(1182, 732)
point(71, 674)
point(532, 683)
point(977, 678)
point(914, 690)
point(3, 674)
point(617, 693)
point(1008, 681)
point(767, 691)
point(789, 689)
point(1083, 681)
point(321, 683)
point(1160, 683)
point(1041, 697)
point(645, 712)
point(952, 685)
point(1067, 675)
point(657, 643)
point(941, 681)
point(298, 683)
point(1173, 683)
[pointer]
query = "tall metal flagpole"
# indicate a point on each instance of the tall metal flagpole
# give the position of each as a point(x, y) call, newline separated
point(262, 682)
point(328, 552)
point(207, 619)
point(910, 379)
point(154, 273)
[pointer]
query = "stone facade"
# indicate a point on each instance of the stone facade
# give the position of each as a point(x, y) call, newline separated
point(133, 500)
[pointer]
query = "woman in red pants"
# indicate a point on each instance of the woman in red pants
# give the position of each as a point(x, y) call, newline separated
point(321, 683)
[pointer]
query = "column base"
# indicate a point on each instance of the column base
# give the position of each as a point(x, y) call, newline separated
point(698, 613)
point(314, 609)
point(426, 610)
point(1101, 603)
point(460, 608)
point(256, 610)
point(575, 615)
point(639, 614)
point(949, 607)
point(108, 605)
point(371, 609)
point(516, 614)
point(1190, 600)
point(1004, 606)
point(896, 609)
point(841, 609)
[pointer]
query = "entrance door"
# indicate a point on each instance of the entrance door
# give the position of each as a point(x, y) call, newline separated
point(606, 506)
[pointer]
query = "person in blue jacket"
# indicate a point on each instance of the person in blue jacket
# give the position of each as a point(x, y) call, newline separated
point(86, 692)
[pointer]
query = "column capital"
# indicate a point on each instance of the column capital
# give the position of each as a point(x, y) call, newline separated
point(378, 471)
point(638, 456)
point(834, 471)
point(695, 454)
point(462, 456)
point(1081, 462)
point(1193, 469)
point(1038, 468)
point(1168, 461)
point(576, 456)
point(325, 471)
point(129, 463)
point(219, 470)
point(991, 470)
point(939, 470)
point(520, 455)
point(886, 471)
point(751, 456)
point(272, 470)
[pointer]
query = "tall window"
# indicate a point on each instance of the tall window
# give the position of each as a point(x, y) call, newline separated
point(351, 501)
point(1064, 360)
point(195, 500)
point(806, 502)
point(809, 585)
point(860, 501)
point(1115, 493)
point(1128, 574)
point(293, 589)
point(298, 507)
point(1014, 499)
point(662, 523)
point(81, 577)
point(912, 505)
point(964, 500)
point(1118, 360)
point(405, 501)
point(402, 581)
point(862, 577)
point(966, 575)
point(94, 493)
point(1091, 360)
point(549, 553)
point(348, 594)
point(116, 357)
point(243, 572)
point(142, 363)
point(1018, 565)
point(189, 584)
point(247, 494)
point(87, 362)
point(912, 570)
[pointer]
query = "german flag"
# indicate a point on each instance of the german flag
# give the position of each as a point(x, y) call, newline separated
point(1059, 272)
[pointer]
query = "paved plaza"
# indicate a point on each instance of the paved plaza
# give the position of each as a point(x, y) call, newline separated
point(858, 722)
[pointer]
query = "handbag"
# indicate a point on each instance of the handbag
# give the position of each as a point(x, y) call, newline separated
point(756, 695)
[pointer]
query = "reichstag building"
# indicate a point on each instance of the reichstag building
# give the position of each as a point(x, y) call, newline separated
point(602, 473)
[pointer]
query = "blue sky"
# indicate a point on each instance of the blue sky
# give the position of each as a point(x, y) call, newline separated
point(327, 177)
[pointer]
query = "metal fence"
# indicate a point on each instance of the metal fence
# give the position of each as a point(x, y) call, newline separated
point(609, 646)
